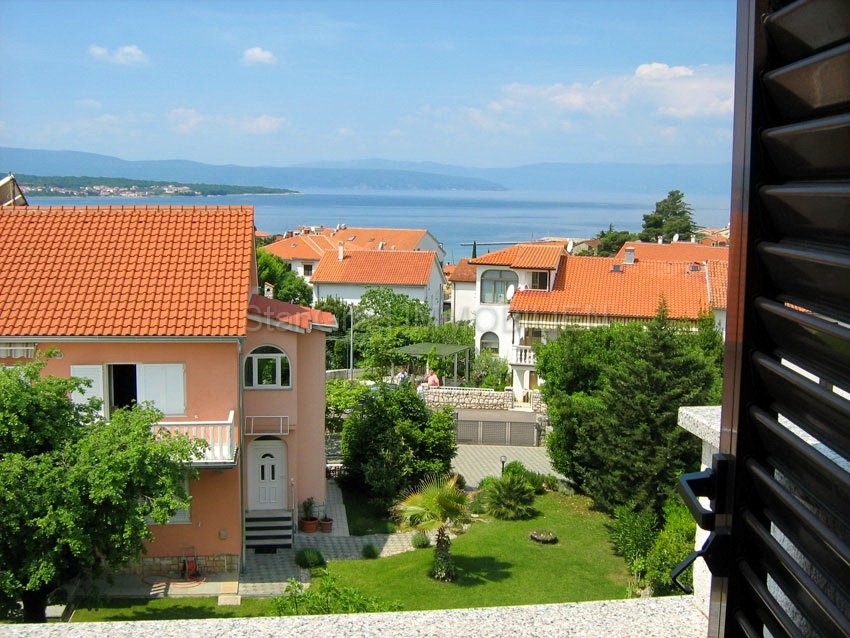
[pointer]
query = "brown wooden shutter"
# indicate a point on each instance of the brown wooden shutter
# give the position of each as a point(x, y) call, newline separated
point(784, 515)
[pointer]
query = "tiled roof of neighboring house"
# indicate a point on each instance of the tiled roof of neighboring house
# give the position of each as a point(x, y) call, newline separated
point(603, 286)
point(678, 251)
point(313, 242)
point(292, 314)
point(714, 240)
point(376, 267)
point(125, 271)
point(718, 277)
point(530, 256)
point(463, 272)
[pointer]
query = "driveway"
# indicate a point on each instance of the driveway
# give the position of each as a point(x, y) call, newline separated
point(475, 462)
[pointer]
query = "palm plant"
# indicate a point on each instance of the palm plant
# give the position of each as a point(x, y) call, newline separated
point(435, 505)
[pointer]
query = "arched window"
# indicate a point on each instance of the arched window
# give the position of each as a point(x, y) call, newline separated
point(494, 285)
point(267, 367)
point(489, 341)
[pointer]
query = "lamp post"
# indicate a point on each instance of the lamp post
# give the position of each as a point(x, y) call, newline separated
point(503, 458)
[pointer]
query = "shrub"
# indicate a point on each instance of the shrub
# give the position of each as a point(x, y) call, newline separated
point(310, 557)
point(370, 550)
point(534, 479)
point(509, 498)
point(633, 535)
point(420, 540)
point(673, 544)
point(327, 598)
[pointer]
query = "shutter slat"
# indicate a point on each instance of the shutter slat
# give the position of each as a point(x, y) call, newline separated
point(810, 535)
point(814, 211)
point(803, 272)
point(814, 86)
point(820, 346)
point(811, 149)
point(814, 473)
point(804, 28)
point(769, 611)
point(819, 411)
point(810, 600)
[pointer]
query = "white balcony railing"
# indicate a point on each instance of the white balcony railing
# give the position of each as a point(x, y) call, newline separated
point(267, 425)
point(523, 356)
point(218, 435)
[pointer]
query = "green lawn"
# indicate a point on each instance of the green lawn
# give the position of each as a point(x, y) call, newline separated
point(499, 565)
point(363, 518)
point(172, 609)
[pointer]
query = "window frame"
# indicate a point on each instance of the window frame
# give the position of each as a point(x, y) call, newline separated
point(537, 274)
point(255, 358)
point(481, 341)
point(495, 287)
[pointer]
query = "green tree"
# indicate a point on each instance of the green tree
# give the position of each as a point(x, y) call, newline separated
point(672, 216)
point(337, 354)
point(614, 410)
point(342, 396)
point(381, 307)
point(435, 504)
point(391, 441)
point(76, 491)
point(288, 286)
point(489, 370)
point(611, 240)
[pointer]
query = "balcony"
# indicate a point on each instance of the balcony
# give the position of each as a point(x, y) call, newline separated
point(259, 425)
point(221, 450)
point(523, 356)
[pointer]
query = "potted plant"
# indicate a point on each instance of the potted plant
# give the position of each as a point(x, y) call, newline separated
point(326, 524)
point(308, 521)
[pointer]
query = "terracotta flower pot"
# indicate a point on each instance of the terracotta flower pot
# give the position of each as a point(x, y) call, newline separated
point(309, 525)
point(326, 525)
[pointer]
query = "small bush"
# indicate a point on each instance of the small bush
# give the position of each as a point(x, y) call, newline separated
point(633, 535)
point(327, 598)
point(370, 550)
point(673, 544)
point(420, 540)
point(510, 498)
point(461, 481)
point(536, 480)
point(310, 557)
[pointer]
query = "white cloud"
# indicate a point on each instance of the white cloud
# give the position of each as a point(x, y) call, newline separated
point(257, 55)
point(660, 71)
point(263, 124)
point(185, 121)
point(127, 55)
point(89, 104)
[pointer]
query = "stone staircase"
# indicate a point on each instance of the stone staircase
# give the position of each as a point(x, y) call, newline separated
point(267, 530)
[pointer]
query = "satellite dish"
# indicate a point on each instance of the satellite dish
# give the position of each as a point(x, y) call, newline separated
point(675, 238)
point(509, 294)
point(570, 246)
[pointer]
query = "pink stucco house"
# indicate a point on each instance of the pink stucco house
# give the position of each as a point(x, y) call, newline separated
point(157, 303)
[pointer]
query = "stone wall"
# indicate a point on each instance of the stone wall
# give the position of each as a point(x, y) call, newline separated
point(173, 565)
point(537, 404)
point(469, 398)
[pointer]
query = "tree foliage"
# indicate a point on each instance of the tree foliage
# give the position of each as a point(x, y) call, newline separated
point(288, 285)
point(76, 491)
point(489, 370)
point(611, 240)
point(392, 441)
point(342, 396)
point(613, 395)
point(672, 216)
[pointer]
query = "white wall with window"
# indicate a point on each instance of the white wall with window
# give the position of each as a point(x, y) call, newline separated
point(120, 385)
point(494, 285)
point(267, 368)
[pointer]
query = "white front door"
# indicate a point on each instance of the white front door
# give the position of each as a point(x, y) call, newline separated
point(267, 475)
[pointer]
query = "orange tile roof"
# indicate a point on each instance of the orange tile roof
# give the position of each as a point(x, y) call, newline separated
point(678, 251)
point(587, 286)
point(312, 244)
point(376, 267)
point(463, 272)
point(718, 277)
point(292, 314)
point(125, 270)
point(299, 248)
point(530, 256)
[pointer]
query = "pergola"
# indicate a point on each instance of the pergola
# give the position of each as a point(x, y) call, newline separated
point(441, 350)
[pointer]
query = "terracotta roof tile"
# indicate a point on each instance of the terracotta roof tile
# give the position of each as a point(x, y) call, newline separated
point(678, 251)
point(529, 256)
point(463, 272)
point(125, 271)
point(377, 267)
point(718, 276)
point(292, 314)
point(604, 286)
point(313, 243)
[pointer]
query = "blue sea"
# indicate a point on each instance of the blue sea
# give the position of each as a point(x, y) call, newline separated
point(455, 218)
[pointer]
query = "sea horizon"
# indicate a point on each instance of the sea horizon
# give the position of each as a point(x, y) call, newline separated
point(492, 219)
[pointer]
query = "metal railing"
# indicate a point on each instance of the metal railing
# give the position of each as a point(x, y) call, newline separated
point(217, 434)
point(267, 425)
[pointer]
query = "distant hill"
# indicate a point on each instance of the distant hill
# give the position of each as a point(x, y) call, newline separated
point(75, 163)
point(71, 186)
point(377, 174)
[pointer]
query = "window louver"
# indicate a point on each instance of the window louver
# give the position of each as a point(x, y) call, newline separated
point(786, 413)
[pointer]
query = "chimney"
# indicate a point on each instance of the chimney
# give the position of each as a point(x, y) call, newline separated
point(340, 253)
point(630, 255)
point(268, 290)
point(661, 239)
point(693, 239)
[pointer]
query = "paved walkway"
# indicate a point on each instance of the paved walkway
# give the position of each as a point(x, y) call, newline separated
point(475, 462)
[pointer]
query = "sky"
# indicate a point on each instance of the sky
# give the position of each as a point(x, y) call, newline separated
point(477, 83)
